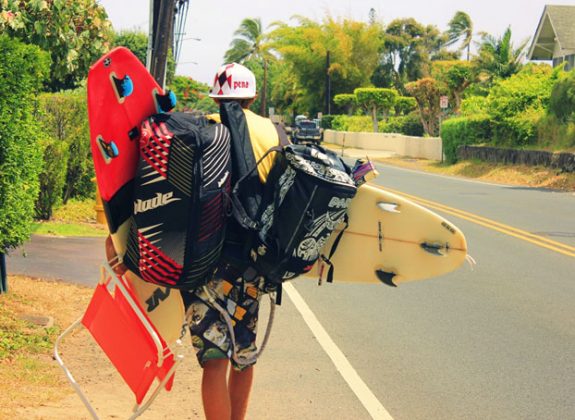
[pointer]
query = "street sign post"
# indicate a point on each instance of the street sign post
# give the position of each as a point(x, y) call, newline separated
point(444, 102)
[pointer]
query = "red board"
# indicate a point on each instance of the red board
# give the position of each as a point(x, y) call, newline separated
point(121, 93)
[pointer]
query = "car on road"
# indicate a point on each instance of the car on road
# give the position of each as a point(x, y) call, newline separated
point(306, 131)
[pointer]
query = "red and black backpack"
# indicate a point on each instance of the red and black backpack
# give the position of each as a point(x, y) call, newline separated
point(180, 200)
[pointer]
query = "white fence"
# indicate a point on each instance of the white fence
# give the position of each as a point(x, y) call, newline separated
point(415, 147)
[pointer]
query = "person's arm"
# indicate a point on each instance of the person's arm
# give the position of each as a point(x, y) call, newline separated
point(113, 259)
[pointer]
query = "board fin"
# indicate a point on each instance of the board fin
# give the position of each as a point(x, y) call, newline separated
point(435, 249)
point(134, 133)
point(385, 277)
point(166, 102)
point(108, 149)
point(123, 87)
point(388, 207)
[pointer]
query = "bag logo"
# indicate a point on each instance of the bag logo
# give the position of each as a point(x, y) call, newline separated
point(339, 203)
point(157, 298)
point(160, 200)
point(221, 181)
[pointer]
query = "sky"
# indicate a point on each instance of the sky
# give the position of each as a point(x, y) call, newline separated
point(214, 21)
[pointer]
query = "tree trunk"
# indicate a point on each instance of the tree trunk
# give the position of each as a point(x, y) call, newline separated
point(263, 104)
point(374, 118)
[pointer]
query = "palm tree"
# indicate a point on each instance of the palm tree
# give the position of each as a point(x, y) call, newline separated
point(498, 58)
point(460, 29)
point(250, 44)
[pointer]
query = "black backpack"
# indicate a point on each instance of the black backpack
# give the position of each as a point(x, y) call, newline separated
point(306, 196)
point(180, 200)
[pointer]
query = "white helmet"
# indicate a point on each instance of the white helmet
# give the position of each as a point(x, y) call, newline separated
point(233, 81)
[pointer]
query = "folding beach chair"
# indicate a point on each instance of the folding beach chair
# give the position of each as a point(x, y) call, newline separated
point(125, 334)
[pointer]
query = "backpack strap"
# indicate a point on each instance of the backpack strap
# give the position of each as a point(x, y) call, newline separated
point(327, 259)
point(241, 214)
point(243, 159)
point(284, 140)
point(245, 219)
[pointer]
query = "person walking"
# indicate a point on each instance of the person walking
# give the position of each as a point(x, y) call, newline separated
point(225, 344)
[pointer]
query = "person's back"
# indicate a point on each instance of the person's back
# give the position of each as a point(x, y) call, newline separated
point(228, 296)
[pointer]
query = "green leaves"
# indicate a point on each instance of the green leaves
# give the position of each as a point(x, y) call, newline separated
point(75, 33)
point(21, 70)
point(376, 99)
point(192, 95)
point(460, 30)
point(381, 98)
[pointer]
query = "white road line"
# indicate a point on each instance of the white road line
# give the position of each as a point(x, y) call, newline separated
point(363, 393)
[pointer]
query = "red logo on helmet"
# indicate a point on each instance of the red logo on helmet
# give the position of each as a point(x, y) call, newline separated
point(242, 84)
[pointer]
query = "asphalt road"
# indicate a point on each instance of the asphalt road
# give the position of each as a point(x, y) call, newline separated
point(495, 342)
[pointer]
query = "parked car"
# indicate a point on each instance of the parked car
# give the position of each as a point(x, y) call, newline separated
point(306, 131)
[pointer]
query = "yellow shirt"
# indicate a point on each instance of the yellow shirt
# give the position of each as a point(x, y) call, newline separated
point(263, 136)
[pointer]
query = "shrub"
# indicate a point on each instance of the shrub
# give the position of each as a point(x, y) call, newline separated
point(473, 105)
point(517, 131)
point(64, 118)
point(327, 121)
point(346, 102)
point(374, 100)
point(20, 156)
point(562, 101)
point(53, 177)
point(555, 134)
point(528, 89)
point(410, 125)
point(427, 92)
point(461, 131)
point(192, 95)
point(404, 105)
point(357, 123)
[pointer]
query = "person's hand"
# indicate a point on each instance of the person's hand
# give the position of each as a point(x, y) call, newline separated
point(112, 257)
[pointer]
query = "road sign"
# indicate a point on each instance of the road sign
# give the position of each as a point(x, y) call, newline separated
point(444, 102)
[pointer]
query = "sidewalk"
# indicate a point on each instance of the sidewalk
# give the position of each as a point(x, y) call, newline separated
point(72, 259)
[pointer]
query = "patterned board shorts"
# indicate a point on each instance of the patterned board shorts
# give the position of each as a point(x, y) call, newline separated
point(210, 334)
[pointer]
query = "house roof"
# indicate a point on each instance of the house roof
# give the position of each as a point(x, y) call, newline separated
point(557, 25)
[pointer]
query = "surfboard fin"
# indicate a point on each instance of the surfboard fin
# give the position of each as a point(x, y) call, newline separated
point(385, 277)
point(108, 149)
point(435, 249)
point(388, 207)
point(165, 102)
point(124, 86)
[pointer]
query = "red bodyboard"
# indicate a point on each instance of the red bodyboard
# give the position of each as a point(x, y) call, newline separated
point(114, 120)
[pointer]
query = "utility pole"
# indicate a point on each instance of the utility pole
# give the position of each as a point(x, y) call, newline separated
point(162, 33)
point(3, 274)
point(327, 85)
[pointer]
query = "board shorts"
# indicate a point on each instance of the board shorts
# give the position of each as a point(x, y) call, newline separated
point(210, 334)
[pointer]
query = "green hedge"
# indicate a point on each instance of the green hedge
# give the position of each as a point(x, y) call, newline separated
point(23, 69)
point(327, 121)
point(410, 125)
point(517, 131)
point(562, 102)
point(64, 117)
point(53, 177)
point(356, 123)
point(460, 131)
point(555, 134)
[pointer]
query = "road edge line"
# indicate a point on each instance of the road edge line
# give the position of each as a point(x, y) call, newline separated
point(375, 409)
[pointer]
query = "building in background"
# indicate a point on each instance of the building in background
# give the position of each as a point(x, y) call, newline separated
point(554, 39)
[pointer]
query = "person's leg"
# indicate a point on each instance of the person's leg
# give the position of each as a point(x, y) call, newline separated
point(240, 385)
point(215, 395)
